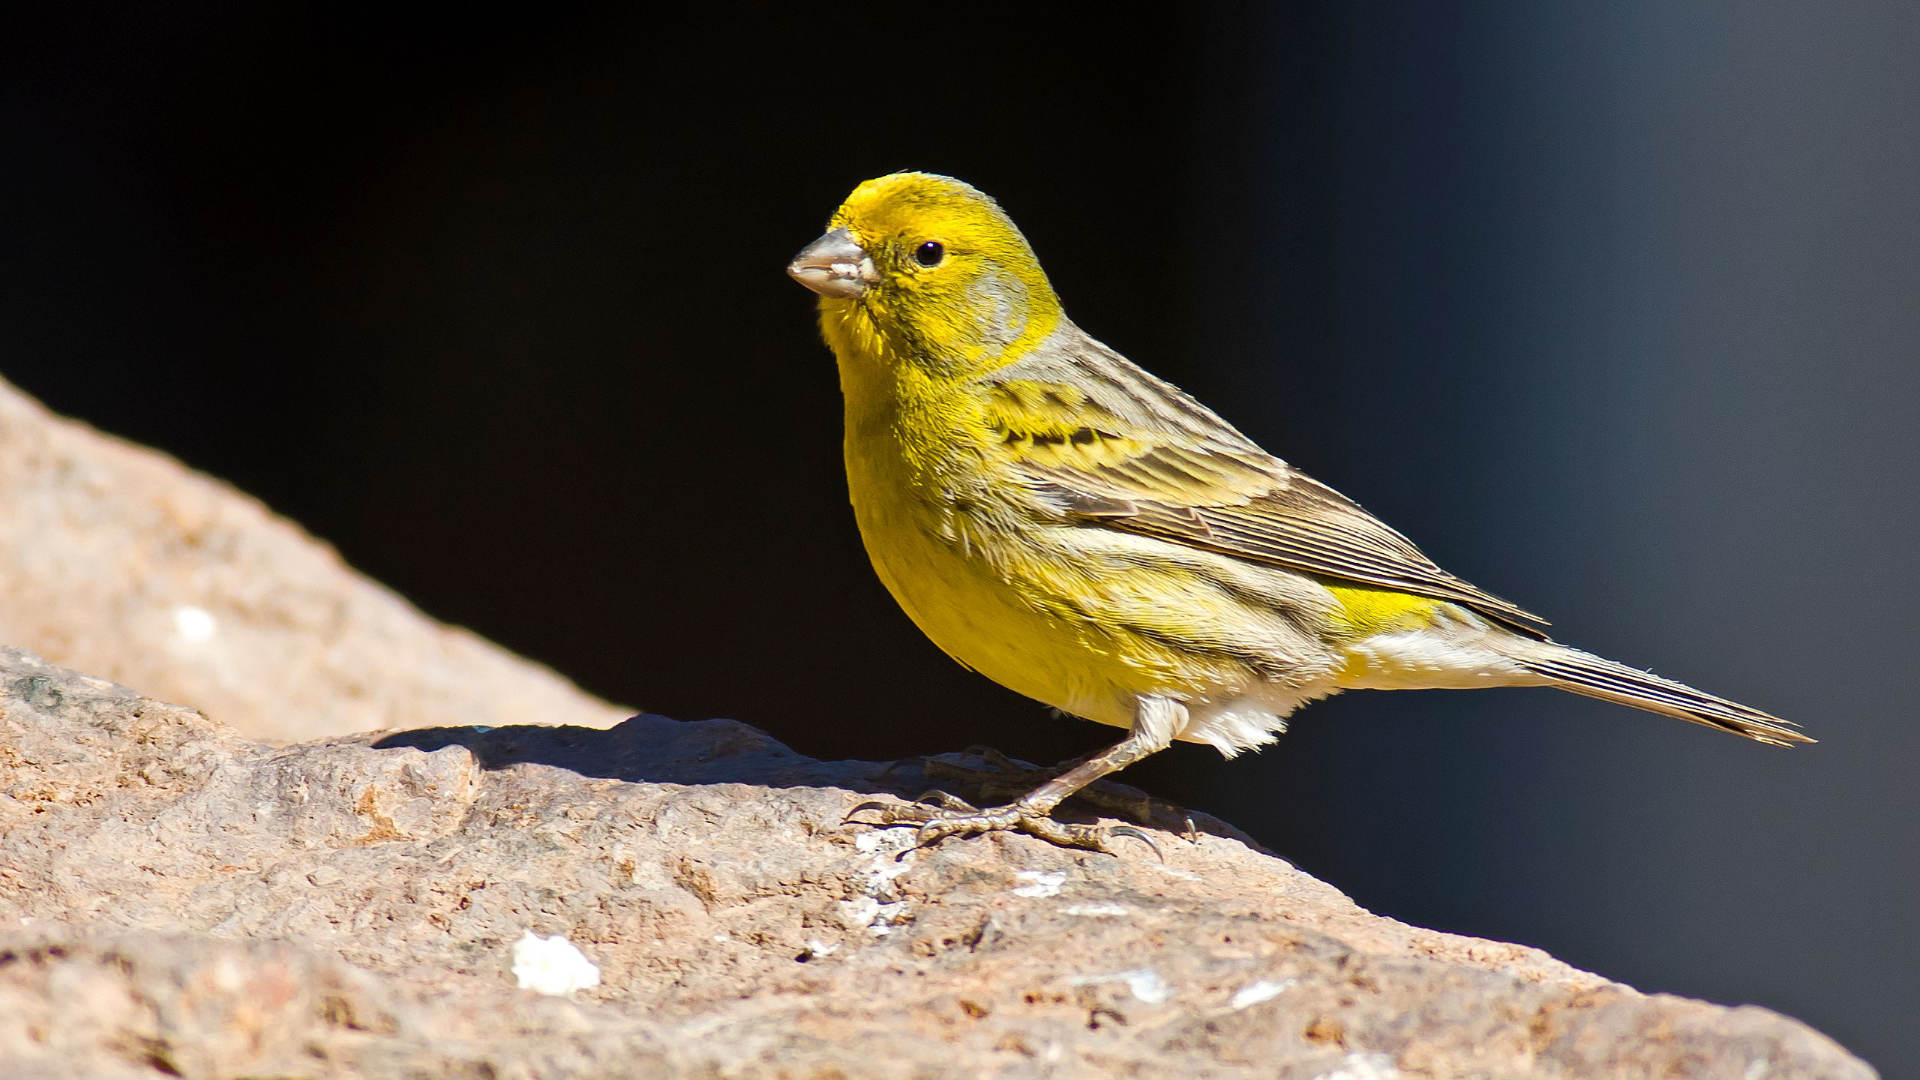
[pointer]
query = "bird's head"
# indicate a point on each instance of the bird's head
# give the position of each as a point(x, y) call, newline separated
point(930, 268)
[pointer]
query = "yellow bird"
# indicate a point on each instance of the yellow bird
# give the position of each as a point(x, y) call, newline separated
point(1077, 530)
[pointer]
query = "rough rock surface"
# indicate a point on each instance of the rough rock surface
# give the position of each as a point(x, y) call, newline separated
point(118, 560)
point(176, 900)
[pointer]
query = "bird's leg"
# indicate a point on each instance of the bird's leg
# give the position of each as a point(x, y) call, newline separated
point(940, 815)
point(1003, 776)
point(998, 774)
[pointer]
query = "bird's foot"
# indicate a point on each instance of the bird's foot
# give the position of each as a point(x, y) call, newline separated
point(940, 815)
point(1003, 775)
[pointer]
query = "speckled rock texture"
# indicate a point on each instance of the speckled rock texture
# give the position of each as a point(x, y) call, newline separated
point(178, 900)
point(120, 561)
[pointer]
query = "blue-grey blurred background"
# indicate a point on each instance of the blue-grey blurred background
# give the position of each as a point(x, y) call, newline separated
point(1614, 308)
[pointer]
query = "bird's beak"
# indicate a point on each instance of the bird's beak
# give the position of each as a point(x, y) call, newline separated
point(834, 265)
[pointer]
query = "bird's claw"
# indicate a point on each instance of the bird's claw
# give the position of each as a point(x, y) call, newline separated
point(945, 801)
point(1135, 834)
point(940, 815)
point(920, 810)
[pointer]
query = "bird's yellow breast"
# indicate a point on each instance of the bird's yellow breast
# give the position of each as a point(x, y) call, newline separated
point(952, 550)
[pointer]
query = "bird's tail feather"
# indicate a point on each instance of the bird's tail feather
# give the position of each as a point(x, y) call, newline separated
point(1597, 677)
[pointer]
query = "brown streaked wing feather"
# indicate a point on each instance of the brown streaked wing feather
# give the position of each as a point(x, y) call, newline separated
point(1205, 485)
point(1298, 523)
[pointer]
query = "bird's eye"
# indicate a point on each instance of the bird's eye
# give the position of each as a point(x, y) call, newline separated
point(930, 253)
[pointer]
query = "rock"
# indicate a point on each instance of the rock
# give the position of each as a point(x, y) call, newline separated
point(119, 560)
point(175, 898)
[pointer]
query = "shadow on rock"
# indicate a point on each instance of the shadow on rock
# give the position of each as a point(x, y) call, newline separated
point(658, 749)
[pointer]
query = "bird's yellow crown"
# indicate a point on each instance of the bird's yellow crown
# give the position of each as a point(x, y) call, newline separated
point(955, 283)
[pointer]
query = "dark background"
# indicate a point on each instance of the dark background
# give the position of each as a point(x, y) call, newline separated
point(1616, 312)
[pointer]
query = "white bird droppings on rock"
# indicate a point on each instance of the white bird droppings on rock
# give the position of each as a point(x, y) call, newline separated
point(1256, 992)
point(1364, 1067)
point(1149, 987)
point(194, 624)
point(1097, 911)
point(876, 918)
point(880, 907)
point(552, 966)
point(1039, 884)
point(1144, 984)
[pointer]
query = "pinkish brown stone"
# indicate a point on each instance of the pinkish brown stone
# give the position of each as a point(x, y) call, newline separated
point(177, 899)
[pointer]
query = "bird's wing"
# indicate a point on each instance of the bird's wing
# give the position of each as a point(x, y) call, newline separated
point(1108, 444)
